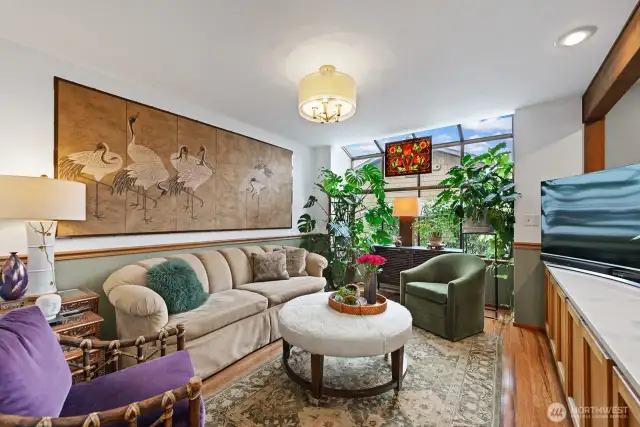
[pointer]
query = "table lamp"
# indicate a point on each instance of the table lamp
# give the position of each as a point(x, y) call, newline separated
point(41, 201)
point(406, 208)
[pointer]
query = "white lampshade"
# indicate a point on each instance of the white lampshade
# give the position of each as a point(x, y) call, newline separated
point(327, 96)
point(405, 206)
point(41, 198)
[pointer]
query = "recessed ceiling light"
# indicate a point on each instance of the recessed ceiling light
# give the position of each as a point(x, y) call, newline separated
point(575, 36)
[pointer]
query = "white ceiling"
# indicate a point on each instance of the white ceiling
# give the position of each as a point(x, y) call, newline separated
point(418, 63)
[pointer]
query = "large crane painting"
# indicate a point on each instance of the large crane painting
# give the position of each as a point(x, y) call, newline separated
point(151, 171)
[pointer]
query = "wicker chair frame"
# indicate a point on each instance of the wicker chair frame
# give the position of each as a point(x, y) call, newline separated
point(130, 413)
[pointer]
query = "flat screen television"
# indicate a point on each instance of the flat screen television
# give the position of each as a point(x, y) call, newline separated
point(592, 221)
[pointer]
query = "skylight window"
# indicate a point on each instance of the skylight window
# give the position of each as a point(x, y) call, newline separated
point(497, 128)
point(441, 135)
point(487, 128)
point(364, 149)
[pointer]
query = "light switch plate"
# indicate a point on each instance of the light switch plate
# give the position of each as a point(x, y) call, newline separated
point(531, 220)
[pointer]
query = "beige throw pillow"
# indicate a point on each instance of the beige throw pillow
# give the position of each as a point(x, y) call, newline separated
point(269, 266)
point(296, 261)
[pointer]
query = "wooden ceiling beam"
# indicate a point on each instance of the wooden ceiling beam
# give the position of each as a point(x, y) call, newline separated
point(619, 71)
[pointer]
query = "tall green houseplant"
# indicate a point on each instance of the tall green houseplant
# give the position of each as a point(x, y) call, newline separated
point(482, 187)
point(351, 226)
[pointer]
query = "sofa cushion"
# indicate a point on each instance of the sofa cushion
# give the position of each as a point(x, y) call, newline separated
point(296, 261)
point(32, 366)
point(217, 269)
point(239, 264)
point(281, 291)
point(135, 384)
point(178, 285)
point(436, 292)
point(220, 310)
point(270, 266)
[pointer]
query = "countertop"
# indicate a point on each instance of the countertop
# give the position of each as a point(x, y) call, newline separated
point(611, 309)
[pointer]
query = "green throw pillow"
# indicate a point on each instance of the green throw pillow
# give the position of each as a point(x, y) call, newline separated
point(176, 282)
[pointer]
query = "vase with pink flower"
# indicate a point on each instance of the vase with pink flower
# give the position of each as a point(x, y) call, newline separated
point(372, 265)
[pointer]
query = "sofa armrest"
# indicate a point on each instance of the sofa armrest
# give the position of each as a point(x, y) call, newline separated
point(315, 264)
point(139, 310)
point(137, 300)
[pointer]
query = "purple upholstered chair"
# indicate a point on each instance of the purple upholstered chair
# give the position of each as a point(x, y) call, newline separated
point(35, 380)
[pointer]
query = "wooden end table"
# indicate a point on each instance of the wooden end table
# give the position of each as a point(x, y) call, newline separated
point(79, 319)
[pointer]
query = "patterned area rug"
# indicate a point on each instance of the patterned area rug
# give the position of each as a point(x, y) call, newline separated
point(447, 384)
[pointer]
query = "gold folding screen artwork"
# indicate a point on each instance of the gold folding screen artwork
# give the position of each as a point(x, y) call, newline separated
point(151, 171)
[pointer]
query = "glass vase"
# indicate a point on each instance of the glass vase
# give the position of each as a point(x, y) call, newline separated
point(13, 279)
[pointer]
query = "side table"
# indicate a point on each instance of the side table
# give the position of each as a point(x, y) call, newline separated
point(79, 319)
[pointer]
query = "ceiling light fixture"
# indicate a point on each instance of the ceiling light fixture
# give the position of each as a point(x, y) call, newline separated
point(576, 36)
point(327, 96)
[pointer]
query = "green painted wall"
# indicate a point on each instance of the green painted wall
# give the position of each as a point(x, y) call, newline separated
point(93, 272)
point(529, 287)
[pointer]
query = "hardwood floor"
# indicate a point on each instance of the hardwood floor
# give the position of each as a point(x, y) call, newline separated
point(529, 380)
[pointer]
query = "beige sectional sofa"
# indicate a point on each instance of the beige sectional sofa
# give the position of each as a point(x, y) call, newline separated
point(239, 317)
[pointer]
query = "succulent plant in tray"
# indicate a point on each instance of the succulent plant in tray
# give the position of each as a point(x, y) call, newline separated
point(347, 294)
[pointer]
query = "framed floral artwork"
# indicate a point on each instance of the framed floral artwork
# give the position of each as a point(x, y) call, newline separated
point(408, 157)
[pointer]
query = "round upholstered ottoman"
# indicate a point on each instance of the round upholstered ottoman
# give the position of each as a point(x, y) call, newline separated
point(309, 323)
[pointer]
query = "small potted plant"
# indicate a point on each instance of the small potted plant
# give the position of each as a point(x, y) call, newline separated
point(347, 294)
point(434, 223)
point(372, 264)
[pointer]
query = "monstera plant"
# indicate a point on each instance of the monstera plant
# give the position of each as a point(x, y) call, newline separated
point(482, 187)
point(351, 226)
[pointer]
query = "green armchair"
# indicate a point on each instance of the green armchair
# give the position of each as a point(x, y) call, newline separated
point(445, 295)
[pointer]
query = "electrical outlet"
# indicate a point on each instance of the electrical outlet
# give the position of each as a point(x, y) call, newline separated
point(531, 220)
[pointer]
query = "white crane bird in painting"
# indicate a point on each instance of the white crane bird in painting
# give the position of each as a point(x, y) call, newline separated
point(193, 171)
point(258, 179)
point(97, 163)
point(146, 171)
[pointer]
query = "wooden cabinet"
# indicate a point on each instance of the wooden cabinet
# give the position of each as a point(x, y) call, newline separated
point(548, 306)
point(597, 371)
point(557, 331)
point(626, 404)
point(574, 367)
point(83, 325)
point(560, 324)
point(597, 393)
point(78, 318)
